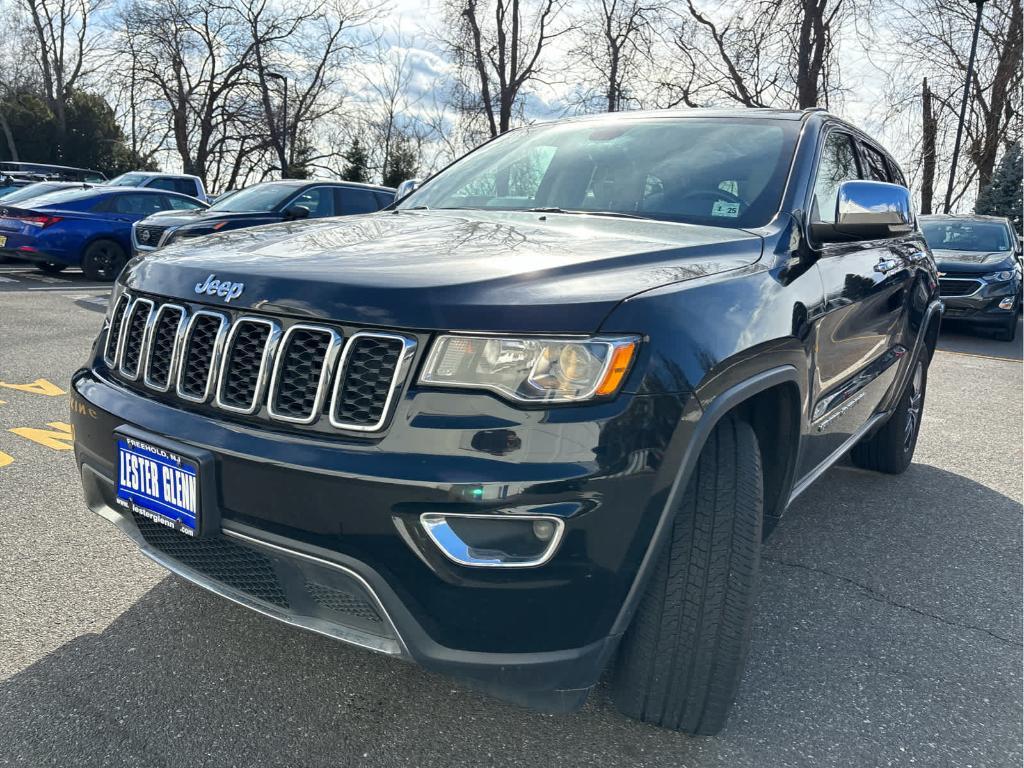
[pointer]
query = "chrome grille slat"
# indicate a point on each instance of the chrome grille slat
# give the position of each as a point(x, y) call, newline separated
point(297, 373)
point(134, 332)
point(112, 346)
point(199, 355)
point(240, 384)
point(372, 367)
point(308, 352)
point(169, 323)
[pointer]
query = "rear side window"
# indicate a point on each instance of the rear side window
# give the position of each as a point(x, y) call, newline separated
point(877, 169)
point(171, 184)
point(838, 163)
point(139, 203)
point(319, 201)
point(352, 201)
point(181, 204)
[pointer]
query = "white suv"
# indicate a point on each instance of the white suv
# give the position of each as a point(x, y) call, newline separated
point(182, 183)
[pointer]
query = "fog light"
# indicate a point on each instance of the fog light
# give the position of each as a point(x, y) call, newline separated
point(543, 529)
point(1007, 303)
point(494, 541)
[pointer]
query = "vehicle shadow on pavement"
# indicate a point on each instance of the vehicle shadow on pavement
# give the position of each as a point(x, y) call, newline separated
point(887, 632)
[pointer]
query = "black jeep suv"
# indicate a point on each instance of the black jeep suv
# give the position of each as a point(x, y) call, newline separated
point(535, 419)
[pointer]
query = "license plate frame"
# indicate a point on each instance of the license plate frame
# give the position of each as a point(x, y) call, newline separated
point(152, 491)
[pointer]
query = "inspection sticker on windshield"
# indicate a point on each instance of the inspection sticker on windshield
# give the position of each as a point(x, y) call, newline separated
point(722, 208)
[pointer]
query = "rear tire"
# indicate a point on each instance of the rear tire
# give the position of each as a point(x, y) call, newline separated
point(103, 260)
point(681, 660)
point(891, 448)
point(50, 267)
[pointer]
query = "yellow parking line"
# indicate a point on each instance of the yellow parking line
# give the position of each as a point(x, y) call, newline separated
point(37, 387)
point(59, 437)
point(5, 459)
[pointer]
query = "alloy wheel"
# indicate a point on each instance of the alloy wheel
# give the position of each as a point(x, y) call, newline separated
point(914, 407)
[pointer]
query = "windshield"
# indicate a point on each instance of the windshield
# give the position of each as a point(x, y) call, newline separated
point(128, 180)
point(260, 198)
point(966, 235)
point(723, 172)
point(32, 190)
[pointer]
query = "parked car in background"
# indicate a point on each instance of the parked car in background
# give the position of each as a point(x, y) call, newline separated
point(979, 260)
point(90, 228)
point(38, 188)
point(182, 183)
point(53, 172)
point(266, 203)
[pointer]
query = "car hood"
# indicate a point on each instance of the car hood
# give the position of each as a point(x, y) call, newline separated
point(466, 270)
point(180, 218)
point(972, 261)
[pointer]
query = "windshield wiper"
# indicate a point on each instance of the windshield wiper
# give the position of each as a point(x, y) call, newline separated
point(613, 214)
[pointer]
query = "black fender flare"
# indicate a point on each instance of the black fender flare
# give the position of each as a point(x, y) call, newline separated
point(722, 404)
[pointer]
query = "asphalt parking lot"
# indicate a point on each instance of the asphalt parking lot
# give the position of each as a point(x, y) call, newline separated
point(887, 631)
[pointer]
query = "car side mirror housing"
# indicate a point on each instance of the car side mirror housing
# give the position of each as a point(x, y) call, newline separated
point(867, 210)
point(407, 187)
point(296, 212)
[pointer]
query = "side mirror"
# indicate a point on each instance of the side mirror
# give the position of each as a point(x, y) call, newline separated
point(407, 187)
point(296, 212)
point(867, 210)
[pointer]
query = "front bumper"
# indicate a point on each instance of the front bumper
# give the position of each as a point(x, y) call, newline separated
point(333, 526)
point(982, 306)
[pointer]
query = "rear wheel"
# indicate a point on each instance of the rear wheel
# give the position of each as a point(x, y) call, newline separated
point(50, 267)
point(891, 448)
point(682, 658)
point(103, 260)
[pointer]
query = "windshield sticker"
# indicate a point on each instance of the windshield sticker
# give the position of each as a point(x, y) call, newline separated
point(722, 208)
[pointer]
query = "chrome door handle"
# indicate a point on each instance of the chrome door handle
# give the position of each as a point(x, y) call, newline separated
point(886, 265)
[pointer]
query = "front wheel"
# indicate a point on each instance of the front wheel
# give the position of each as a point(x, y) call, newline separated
point(681, 660)
point(103, 260)
point(1008, 330)
point(891, 448)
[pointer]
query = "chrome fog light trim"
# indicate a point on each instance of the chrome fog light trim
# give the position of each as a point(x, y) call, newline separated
point(459, 551)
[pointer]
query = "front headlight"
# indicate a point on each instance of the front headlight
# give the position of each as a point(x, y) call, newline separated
point(530, 369)
point(1000, 277)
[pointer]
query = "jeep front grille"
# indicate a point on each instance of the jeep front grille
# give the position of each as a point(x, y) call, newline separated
point(266, 368)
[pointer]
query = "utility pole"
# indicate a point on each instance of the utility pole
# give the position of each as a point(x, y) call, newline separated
point(963, 106)
point(284, 121)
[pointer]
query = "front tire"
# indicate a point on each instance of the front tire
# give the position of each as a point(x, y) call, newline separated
point(681, 660)
point(1008, 331)
point(891, 448)
point(103, 260)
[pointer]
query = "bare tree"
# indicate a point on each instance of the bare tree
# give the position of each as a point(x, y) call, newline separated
point(935, 38)
point(614, 39)
point(62, 47)
point(928, 134)
point(499, 54)
point(770, 53)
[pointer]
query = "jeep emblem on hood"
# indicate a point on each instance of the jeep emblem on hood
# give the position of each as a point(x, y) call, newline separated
point(223, 288)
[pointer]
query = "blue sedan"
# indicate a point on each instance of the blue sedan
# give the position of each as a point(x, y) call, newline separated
point(90, 228)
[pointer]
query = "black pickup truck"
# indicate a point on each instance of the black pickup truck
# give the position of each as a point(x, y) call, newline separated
point(534, 419)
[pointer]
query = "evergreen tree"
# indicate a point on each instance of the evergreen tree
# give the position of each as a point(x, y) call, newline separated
point(403, 163)
point(357, 164)
point(1004, 195)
